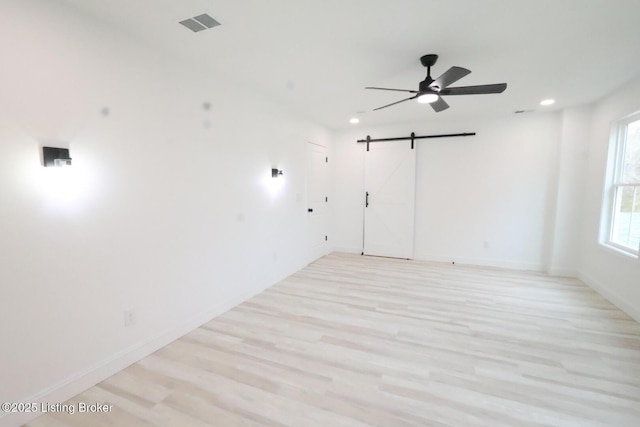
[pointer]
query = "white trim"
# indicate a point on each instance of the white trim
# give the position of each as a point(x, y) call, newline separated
point(562, 272)
point(511, 265)
point(485, 262)
point(92, 375)
point(614, 298)
point(348, 250)
point(613, 182)
point(315, 143)
point(321, 250)
point(619, 249)
point(627, 184)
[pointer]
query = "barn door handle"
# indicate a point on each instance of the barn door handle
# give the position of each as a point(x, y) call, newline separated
point(366, 200)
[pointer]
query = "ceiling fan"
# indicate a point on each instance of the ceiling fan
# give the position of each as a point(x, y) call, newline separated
point(431, 91)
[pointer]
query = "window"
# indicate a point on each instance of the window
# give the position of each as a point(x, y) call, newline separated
point(624, 192)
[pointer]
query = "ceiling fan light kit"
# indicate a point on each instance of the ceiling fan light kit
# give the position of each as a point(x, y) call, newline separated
point(430, 91)
point(427, 98)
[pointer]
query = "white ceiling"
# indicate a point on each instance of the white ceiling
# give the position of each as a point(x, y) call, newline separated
point(316, 57)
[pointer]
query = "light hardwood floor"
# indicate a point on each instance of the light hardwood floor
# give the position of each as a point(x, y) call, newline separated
point(363, 341)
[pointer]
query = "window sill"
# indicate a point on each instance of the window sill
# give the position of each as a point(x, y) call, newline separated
point(628, 254)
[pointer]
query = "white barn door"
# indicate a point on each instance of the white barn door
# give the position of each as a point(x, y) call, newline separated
point(389, 213)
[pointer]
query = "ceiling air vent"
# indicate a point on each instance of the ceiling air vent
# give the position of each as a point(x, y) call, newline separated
point(200, 22)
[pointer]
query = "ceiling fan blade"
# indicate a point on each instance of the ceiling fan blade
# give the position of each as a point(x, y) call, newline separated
point(397, 90)
point(439, 105)
point(452, 75)
point(394, 103)
point(474, 90)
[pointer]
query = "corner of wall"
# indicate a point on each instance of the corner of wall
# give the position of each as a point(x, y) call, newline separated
point(610, 295)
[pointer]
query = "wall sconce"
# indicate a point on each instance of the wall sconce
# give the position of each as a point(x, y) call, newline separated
point(53, 156)
point(275, 172)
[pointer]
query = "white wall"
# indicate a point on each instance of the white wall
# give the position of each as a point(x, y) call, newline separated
point(497, 187)
point(573, 151)
point(169, 208)
point(614, 275)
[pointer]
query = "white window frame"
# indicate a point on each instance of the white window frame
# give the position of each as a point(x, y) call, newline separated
point(617, 148)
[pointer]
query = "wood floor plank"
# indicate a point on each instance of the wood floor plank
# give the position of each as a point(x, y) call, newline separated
point(366, 341)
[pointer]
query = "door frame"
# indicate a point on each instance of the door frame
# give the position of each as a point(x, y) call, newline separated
point(313, 253)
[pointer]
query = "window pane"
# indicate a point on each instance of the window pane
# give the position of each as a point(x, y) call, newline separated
point(631, 163)
point(626, 217)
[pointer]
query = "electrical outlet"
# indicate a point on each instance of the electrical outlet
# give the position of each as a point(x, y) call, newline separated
point(129, 317)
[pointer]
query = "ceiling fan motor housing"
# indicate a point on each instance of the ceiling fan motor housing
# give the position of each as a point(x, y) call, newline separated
point(429, 60)
point(424, 86)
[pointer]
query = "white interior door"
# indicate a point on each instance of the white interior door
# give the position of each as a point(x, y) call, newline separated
point(317, 200)
point(390, 179)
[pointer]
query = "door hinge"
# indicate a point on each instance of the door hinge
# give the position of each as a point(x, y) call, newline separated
point(326, 199)
point(326, 160)
point(326, 238)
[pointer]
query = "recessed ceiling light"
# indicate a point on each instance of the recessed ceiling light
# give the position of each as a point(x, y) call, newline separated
point(427, 98)
point(547, 102)
point(354, 120)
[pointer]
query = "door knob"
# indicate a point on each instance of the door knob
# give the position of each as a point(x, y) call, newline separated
point(309, 210)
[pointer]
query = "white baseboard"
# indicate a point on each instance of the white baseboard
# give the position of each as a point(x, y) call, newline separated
point(485, 262)
point(87, 378)
point(562, 272)
point(470, 261)
point(611, 296)
point(348, 250)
